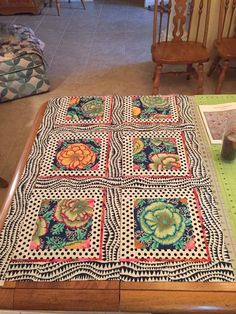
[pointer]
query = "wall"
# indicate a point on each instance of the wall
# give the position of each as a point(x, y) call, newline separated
point(213, 23)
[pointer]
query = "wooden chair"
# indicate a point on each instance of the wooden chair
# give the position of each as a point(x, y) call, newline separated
point(226, 41)
point(182, 43)
point(58, 5)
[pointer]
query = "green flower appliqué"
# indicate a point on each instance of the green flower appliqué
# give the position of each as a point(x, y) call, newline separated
point(162, 223)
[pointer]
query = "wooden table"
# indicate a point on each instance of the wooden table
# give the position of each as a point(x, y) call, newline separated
point(159, 297)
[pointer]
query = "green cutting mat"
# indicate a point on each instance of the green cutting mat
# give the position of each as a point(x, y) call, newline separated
point(225, 171)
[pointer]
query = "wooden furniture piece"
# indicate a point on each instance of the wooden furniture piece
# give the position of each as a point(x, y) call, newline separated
point(111, 296)
point(226, 41)
point(58, 5)
point(69, 296)
point(178, 297)
point(9, 7)
point(185, 45)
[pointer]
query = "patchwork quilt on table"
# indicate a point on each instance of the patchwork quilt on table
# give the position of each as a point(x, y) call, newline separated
point(115, 188)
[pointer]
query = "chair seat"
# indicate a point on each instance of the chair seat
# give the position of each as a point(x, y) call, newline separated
point(227, 48)
point(179, 53)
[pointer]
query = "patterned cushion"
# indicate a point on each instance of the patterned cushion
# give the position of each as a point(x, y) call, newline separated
point(27, 61)
point(22, 68)
point(23, 83)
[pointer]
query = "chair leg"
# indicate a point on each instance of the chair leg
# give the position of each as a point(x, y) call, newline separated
point(154, 74)
point(213, 65)
point(156, 82)
point(3, 183)
point(222, 77)
point(189, 69)
point(58, 7)
point(82, 1)
point(200, 69)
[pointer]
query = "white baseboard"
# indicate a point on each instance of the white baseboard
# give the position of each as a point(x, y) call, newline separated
point(148, 2)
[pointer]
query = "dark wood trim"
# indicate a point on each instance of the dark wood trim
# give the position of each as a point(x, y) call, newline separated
point(66, 299)
point(160, 301)
point(6, 299)
point(180, 286)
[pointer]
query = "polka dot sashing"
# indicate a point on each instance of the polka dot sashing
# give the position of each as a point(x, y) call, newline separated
point(151, 109)
point(76, 155)
point(85, 110)
point(155, 154)
point(62, 224)
point(162, 225)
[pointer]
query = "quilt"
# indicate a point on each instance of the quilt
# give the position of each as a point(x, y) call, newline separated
point(116, 188)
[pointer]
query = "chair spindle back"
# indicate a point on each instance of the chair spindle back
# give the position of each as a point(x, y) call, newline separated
point(227, 19)
point(179, 20)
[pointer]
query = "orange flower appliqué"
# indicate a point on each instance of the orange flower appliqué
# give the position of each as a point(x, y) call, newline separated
point(76, 156)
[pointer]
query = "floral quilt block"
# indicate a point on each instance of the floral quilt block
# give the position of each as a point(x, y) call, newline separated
point(162, 224)
point(85, 110)
point(155, 154)
point(63, 224)
point(76, 155)
point(151, 109)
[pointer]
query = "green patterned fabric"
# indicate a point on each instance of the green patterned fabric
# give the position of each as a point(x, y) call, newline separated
point(28, 61)
point(24, 83)
point(22, 68)
point(225, 171)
